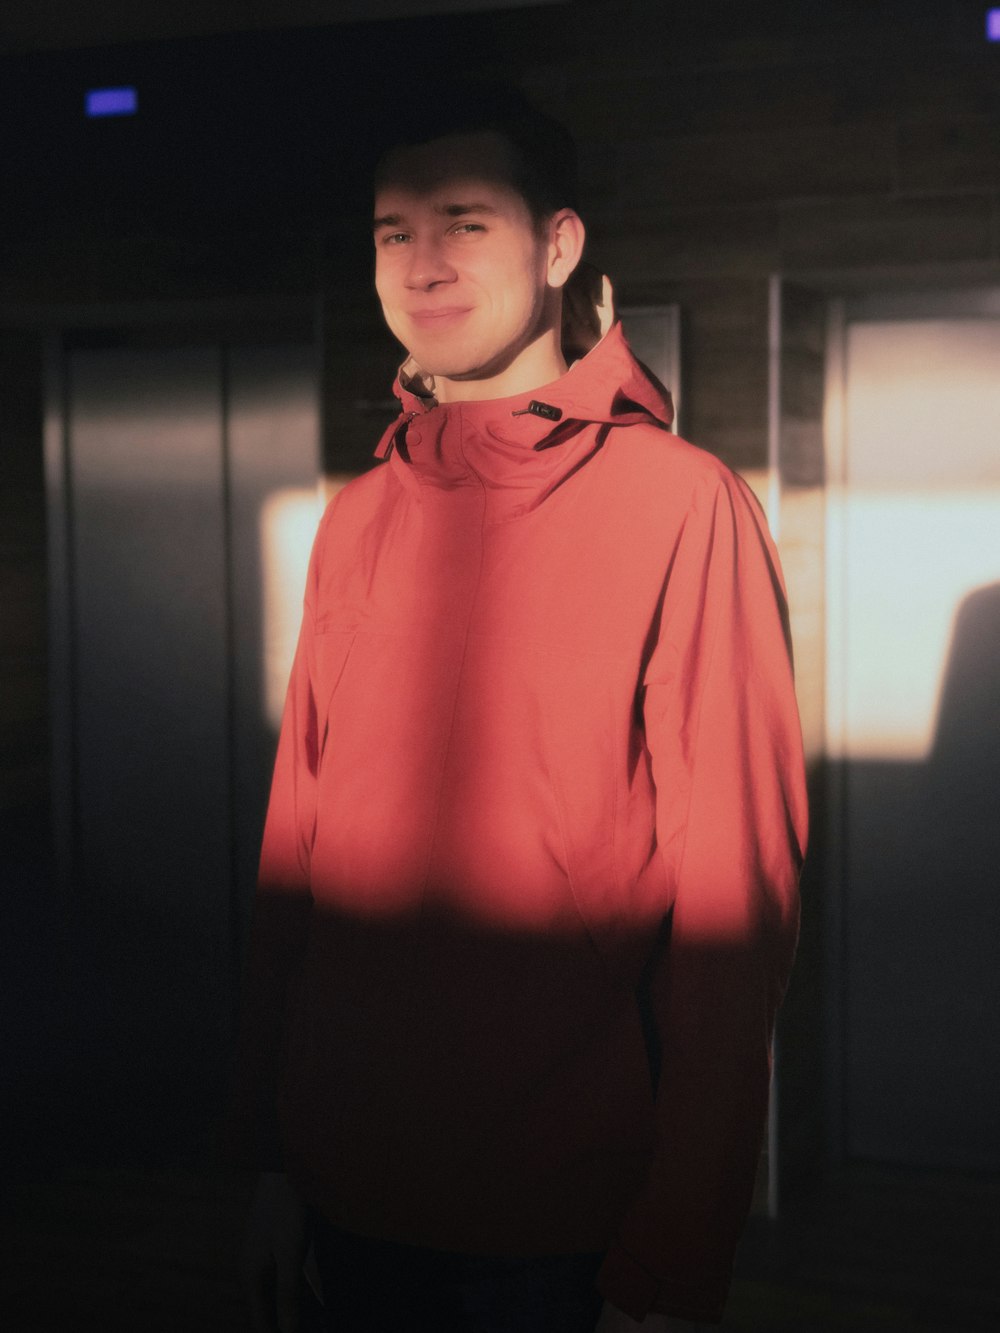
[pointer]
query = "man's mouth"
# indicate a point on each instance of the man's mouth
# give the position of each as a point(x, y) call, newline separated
point(438, 317)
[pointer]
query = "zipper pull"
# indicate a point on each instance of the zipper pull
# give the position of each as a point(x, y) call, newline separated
point(545, 410)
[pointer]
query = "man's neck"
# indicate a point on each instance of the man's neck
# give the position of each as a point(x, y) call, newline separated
point(540, 363)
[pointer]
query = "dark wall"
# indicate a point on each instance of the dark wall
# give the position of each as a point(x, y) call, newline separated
point(23, 693)
point(720, 143)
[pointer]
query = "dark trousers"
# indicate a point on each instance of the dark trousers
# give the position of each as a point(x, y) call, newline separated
point(380, 1287)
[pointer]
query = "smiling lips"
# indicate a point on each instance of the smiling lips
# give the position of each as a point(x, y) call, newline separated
point(438, 317)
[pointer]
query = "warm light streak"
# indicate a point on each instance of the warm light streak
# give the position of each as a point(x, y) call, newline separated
point(900, 612)
point(914, 523)
point(287, 528)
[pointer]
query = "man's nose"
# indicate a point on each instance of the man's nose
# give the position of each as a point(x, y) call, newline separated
point(428, 265)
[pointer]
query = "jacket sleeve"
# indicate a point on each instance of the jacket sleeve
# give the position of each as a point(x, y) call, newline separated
point(281, 909)
point(723, 735)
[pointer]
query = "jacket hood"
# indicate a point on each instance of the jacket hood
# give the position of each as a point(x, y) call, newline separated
point(606, 387)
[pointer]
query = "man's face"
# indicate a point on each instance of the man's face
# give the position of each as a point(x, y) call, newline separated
point(461, 268)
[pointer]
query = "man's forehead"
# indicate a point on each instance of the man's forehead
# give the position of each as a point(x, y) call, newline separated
point(455, 160)
point(451, 195)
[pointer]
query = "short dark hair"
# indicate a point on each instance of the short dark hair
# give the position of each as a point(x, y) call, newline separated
point(544, 170)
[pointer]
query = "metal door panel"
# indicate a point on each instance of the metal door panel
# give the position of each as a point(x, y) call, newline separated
point(149, 603)
point(162, 473)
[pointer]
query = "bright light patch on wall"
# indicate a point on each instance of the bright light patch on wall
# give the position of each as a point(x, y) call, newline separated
point(993, 25)
point(287, 528)
point(902, 612)
point(111, 102)
point(920, 524)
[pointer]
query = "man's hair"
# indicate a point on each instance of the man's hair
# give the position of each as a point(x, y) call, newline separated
point(543, 168)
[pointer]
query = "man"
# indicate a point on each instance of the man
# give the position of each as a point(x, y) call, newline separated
point(528, 884)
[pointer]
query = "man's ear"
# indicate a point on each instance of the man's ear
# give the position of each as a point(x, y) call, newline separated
point(566, 235)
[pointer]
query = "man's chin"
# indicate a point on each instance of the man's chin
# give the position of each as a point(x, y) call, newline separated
point(461, 368)
point(460, 372)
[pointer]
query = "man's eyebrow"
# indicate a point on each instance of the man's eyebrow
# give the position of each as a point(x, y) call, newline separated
point(388, 220)
point(457, 210)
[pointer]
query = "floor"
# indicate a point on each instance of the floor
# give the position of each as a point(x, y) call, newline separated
point(156, 1251)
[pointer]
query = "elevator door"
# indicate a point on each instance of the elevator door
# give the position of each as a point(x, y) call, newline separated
point(189, 497)
point(915, 712)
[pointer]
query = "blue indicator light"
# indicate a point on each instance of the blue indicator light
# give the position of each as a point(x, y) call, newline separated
point(112, 102)
point(993, 25)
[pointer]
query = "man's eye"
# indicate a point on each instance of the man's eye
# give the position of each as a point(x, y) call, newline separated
point(468, 227)
point(395, 238)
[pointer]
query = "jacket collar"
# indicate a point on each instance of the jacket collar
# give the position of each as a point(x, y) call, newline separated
point(608, 386)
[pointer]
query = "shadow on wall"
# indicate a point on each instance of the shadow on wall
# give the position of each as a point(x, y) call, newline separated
point(922, 924)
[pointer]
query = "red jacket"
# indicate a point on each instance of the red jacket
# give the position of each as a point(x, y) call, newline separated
point(533, 842)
